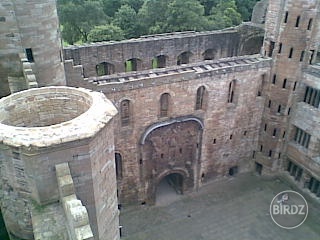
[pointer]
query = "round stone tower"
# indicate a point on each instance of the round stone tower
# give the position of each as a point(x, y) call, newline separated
point(43, 127)
point(30, 42)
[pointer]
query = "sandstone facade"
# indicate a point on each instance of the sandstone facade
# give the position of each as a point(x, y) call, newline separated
point(192, 107)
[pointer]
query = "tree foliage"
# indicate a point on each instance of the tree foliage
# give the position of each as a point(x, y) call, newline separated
point(106, 32)
point(115, 19)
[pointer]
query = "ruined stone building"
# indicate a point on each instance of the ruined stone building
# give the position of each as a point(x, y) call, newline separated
point(103, 124)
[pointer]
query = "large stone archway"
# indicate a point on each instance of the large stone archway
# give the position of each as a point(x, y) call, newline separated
point(170, 147)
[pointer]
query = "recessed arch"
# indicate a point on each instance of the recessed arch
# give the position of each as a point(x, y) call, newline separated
point(184, 58)
point(105, 68)
point(168, 122)
point(209, 54)
point(159, 61)
point(133, 64)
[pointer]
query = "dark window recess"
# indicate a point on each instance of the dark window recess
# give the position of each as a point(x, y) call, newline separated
point(270, 153)
point(164, 104)
point(269, 104)
point(314, 186)
point(29, 54)
point(271, 47)
point(230, 136)
point(302, 56)
point(245, 133)
point(280, 48)
point(279, 155)
point(279, 109)
point(118, 161)
point(284, 134)
point(233, 170)
point(312, 97)
point(295, 171)
point(284, 84)
point(310, 24)
point(125, 112)
point(289, 110)
point(261, 148)
point(265, 127)
point(2, 19)
point(200, 97)
point(274, 134)
point(294, 86)
point(286, 17)
point(312, 56)
point(290, 53)
point(231, 91)
point(298, 21)
point(274, 78)
point(254, 154)
point(214, 141)
point(302, 138)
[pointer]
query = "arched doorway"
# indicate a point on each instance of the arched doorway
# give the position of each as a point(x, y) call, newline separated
point(169, 189)
point(169, 150)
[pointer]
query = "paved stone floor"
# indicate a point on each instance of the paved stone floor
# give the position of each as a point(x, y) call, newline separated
point(231, 208)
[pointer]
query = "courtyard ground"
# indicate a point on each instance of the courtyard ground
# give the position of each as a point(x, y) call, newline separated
point(231, 208)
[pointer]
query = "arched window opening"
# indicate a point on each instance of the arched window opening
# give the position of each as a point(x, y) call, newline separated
point(118, 161)
point(105, 68)
point(209, 54)
point(200, 98)
point(125, 112)
point(133, 64)
point(184, 58)
point(159, 61)
point(164, 104)
point(231, 91)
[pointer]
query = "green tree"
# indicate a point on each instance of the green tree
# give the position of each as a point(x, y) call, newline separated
point(135, 4)
point(152, 16)
point(127, 19)
point(208, 5)
point(185, 15)
point(245, 8)
point(106, 32)
point(78, 17)
point(224, 15)
point(110, 7)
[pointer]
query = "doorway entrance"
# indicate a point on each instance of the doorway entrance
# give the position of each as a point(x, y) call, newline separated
point(169, 189)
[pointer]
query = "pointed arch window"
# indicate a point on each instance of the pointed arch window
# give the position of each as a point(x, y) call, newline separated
point(118, 162)
point(200, 97)
point(164, 104)
point(232, 86)
point(125, 112)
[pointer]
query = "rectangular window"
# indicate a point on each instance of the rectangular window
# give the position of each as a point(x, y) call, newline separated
point(284, 84)
point(274, 79)
point(310, 24)
point(274, 132)
point(279, 109)
point(265, 127)
point(280, 48)
point(286, 17)
point(294, 86)
point(29, 55)
point(302, 138)
point(270, 153)
point(271, 47)
point(312, 97)
point(269, 104)
point(290, 53)
point(302, 56)
point(298, 21)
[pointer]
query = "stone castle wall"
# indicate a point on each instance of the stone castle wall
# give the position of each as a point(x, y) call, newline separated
point(218, 44)
point(59, 125)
